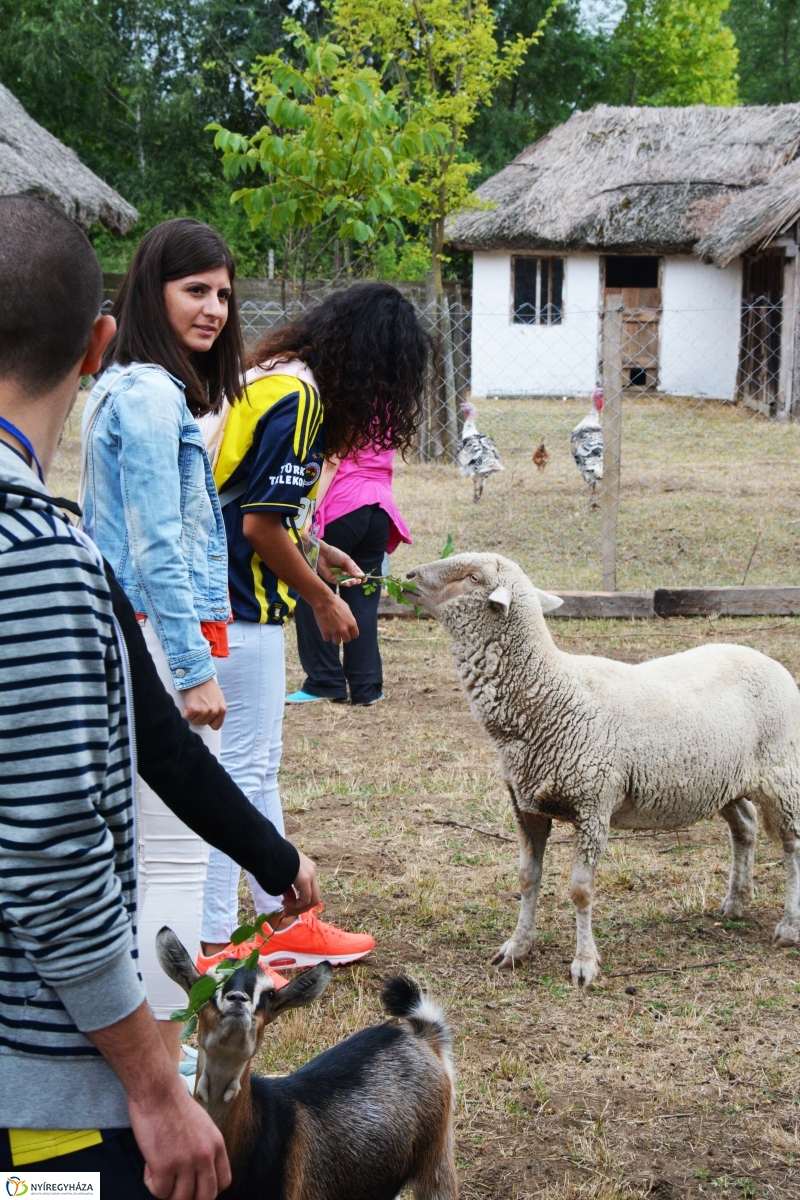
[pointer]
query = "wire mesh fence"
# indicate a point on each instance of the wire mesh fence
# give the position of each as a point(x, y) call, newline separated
point(701, 458)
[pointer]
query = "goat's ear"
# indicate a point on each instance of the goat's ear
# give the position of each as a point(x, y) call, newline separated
point(304, 989)
point(548, 601)
point(501, 597)
point(174, 959)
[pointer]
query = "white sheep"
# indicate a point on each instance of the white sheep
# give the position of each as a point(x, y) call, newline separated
point(600, 743)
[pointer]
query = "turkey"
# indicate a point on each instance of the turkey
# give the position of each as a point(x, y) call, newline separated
point(477, 454)
point(586, 443)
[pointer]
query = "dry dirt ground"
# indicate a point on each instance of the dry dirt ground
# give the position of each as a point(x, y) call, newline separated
point(661, 1082)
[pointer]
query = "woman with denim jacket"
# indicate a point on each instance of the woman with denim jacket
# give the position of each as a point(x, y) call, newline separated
point(151, 506)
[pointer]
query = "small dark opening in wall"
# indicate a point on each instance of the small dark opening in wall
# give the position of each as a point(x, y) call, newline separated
point(638, 377)
point(631, 270)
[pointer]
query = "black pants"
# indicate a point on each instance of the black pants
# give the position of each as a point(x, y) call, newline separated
point(119, 1161)
point(363, 535)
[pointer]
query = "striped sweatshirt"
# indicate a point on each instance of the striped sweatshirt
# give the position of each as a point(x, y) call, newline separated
point(67, 837)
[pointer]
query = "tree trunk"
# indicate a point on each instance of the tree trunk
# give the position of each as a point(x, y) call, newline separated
point(437, 246)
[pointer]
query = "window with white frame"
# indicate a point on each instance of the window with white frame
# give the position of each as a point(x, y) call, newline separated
point(538, 290)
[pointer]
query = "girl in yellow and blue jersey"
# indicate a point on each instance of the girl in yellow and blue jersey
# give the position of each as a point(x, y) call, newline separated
point(346, 374)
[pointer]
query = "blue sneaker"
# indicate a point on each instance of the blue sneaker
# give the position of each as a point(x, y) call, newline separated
point(301, 697)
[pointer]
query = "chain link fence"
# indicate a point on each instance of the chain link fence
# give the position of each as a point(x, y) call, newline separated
point(701, 479)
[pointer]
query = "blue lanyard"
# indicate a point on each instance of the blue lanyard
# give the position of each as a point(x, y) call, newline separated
point(20, 436)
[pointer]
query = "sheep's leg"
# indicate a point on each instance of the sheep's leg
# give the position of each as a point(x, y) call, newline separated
point(590, 842)
point(780, 808)
point(742, 819)
point(532, 831)
point(788, 930)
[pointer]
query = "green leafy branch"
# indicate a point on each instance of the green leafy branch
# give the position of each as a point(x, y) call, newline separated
point(204, 989)
point(400, 590)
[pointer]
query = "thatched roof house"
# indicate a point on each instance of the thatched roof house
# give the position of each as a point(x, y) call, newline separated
point(34, 163)
point(691, 209)
point(714, 181)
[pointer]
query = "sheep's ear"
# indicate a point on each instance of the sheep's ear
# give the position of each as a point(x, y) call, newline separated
point(548, 601)
point(174, 959)
point(501, 596)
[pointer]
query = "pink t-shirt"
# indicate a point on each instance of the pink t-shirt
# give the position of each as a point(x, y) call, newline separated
point(364, 478)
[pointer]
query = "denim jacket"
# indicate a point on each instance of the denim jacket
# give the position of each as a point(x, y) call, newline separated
point(150, 504)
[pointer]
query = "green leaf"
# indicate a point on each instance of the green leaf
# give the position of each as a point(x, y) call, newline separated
point(182, 1014)
point(448, 548)
point(361, 232)
point(190, 1029)
point(242, 934)
point(269, 918)
point(202, 991)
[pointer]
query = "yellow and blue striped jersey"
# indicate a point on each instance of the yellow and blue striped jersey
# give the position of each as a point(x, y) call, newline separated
point(270, 461)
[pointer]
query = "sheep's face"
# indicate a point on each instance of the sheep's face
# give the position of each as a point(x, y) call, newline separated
point(486, 579)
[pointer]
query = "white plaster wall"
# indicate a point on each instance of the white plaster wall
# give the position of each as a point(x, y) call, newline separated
point(534, 360)
point(700, 328)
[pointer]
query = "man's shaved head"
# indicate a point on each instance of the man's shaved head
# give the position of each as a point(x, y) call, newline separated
point(51, 289)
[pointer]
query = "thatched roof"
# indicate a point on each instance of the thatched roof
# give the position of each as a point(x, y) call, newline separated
point(713, 181)
point(34, 163)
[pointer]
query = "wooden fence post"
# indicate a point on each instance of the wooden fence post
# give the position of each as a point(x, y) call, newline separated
point(613, 383)
point(445, 409)
point(787, 382)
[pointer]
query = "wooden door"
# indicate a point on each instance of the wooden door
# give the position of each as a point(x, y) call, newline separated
point(641, 318)
point(760, 346)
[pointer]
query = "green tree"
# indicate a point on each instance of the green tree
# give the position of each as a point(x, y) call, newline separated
point(562, 73)
point(673, 52)
point(131, 84)
point(335, 150)
point(768, 36)
point(443, 62)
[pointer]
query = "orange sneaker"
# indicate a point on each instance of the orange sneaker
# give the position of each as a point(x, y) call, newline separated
point(310, 941)
point(235, 952)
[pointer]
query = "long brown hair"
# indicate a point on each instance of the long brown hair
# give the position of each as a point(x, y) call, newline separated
point(173, 250)
point(368, 353)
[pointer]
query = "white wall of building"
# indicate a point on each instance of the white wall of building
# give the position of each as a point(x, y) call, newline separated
point(534, 360)
point(699, 333)
point(700, 328)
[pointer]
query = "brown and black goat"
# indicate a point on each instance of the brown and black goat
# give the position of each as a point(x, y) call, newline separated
point(359, 1122)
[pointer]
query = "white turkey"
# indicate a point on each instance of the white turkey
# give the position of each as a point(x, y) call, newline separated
point(477, 454)
point(586, 443)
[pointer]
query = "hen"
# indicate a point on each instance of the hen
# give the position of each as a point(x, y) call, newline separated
point(586, 443)
point(541, 455)
point(477, 454)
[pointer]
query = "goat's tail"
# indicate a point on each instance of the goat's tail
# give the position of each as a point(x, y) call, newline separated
point(402, 997)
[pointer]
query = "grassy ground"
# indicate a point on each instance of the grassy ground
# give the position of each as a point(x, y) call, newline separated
point(701, 483)
point(661, 1083)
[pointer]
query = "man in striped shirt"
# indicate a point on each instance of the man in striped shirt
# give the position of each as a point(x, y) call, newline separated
point(81, 1061)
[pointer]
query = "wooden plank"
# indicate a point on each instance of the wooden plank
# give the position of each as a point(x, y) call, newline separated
point(576, 604)
point(664, 602)
point(727, 602)
point(605, 604)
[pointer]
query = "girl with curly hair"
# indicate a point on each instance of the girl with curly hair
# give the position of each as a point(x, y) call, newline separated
point(347, 376)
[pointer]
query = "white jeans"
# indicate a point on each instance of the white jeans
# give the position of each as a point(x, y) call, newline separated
point(253, 680)
point(172, 867)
